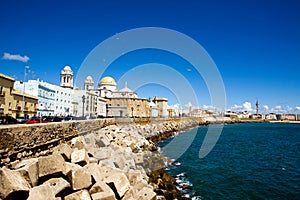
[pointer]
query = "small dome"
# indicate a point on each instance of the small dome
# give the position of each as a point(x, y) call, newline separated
point(89, 78)
point(67, 68)
point(108, 80)
point(126, 89)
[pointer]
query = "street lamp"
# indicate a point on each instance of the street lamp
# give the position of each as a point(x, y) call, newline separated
point(132, 111)
point(23, 99)
point(83, 101)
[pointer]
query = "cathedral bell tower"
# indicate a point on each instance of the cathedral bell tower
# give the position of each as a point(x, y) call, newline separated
point(66, 78)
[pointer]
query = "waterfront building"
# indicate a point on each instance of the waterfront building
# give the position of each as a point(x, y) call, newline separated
point(123, 102)
point(162, 105)
point(153, 109)
point(13, 102)
point(46, 95)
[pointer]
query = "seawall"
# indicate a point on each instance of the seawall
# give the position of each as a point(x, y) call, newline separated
point(119, 153)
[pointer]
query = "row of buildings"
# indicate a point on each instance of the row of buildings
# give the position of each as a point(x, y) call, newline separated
point(39, 98)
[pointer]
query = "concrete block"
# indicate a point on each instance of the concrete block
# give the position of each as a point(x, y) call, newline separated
point(80, 179)
point(119, 180)
point(51, 165)
point(78, 143)
point(12, 181)
point(100, 186)
point(101, 191)
point(41, 192)
point(146, 194)
point(29, 170)
point(70, 167)
point(80, 157)
point(94, 170)
point(57, 185)
point(103, 196)
point(64, 150)
point(80, 195)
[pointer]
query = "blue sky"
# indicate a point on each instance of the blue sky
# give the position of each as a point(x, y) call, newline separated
point(255, 44)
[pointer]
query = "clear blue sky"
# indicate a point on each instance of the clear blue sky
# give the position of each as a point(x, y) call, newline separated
point(255, 44)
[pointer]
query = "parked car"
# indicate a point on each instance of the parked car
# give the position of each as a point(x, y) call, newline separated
point(7, 120)
point(34, 120)
point(68, 118)
point(57, 119)
point(22, 120)
point(46, 119)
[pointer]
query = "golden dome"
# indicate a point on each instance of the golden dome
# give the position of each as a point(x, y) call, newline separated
point(108, 80)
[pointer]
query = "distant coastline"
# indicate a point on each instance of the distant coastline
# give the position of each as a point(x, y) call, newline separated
point(269, 121)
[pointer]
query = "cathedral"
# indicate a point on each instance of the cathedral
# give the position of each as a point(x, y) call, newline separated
point(125, 102)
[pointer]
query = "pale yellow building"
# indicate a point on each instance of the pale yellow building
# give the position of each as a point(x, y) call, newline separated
point(11, 101)
point(162, 105)
point(132, 107)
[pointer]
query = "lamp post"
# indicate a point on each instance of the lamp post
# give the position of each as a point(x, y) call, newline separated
point(83, 101)
point(132, 111)
point(23, 98)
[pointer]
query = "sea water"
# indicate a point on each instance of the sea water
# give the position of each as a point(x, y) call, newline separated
point(249, 161)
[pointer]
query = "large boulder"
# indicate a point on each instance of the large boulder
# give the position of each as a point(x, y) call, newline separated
point(12, 182)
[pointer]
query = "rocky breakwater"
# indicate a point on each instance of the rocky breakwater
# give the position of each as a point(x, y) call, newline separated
point(115, 162)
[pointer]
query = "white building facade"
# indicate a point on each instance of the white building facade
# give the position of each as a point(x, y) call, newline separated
point(46, 95)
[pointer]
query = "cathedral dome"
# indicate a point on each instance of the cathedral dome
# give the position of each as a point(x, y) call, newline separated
point(108, 80)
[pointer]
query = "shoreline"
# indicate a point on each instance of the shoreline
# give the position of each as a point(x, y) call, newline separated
point(129, 150)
